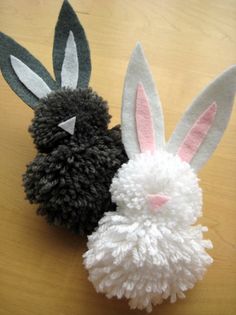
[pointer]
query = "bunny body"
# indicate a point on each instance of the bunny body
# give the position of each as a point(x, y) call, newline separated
point(71, 174)
point(145, 262)
point(144, 255)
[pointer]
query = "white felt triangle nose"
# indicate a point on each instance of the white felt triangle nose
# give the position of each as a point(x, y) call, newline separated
point(68, 125)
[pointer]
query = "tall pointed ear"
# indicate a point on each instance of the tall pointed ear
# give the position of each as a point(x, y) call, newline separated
point(141, 120)
point(203, 125)
point(71, 55)
point(25, 74)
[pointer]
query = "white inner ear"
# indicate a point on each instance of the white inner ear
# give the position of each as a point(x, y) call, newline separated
point(70, 66)
point(29, 78)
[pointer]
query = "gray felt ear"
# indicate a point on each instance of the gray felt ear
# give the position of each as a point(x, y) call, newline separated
point(138, 72)
point(71, 55)
point(219, 93)
point(25, 74)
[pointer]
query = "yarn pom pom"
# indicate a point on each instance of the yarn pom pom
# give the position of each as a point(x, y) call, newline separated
point(158, 173)
point(145, 255)
point(144, 262)
point(90, 110)
point(71, 175)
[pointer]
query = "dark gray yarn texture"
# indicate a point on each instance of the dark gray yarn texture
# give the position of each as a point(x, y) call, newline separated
point(71, 174)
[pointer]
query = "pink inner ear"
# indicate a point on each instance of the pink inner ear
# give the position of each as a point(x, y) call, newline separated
point(197, 134)
point(144, 121)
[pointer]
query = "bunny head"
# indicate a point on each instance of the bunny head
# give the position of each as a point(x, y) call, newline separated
point(65, 108)
point(160, 179)
point(77, 154)
point(68, 116)
point(158, 186)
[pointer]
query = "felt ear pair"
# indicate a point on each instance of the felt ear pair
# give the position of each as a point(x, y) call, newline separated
point(198, 132)
point(71, 61)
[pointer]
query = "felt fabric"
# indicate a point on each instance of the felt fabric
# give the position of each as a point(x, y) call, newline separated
point(68, 21)
point(68, 125)
point(197, 134)
point(70, 66)
point(9, 47)
point(222, 91)
point(156, 201)
point(29, 78)
point(138, 71)
point(144, 124)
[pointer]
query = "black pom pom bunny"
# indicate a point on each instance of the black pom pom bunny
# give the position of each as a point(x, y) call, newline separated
point(77, 154)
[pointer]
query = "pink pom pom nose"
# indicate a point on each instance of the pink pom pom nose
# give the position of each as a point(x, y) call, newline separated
point(157, 201)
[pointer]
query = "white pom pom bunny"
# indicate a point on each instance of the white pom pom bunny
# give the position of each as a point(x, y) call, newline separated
point(149, 249)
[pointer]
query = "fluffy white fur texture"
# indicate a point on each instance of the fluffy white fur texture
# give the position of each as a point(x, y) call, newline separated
point(158, 173)
point(145, 256)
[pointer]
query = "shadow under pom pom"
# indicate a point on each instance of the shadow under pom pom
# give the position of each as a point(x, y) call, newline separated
point(71, 175)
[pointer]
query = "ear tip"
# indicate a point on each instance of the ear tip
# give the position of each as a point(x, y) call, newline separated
point(229, 78)
point(14, 61)
point(71, 35)
point(213, 106)
point(66, 6)
point(12, 58)
point(233, 66)
point(138, 47)
point(231, 69)
point(68, 13)
point(65, 2)
point(138, 44)
point(138, 52)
